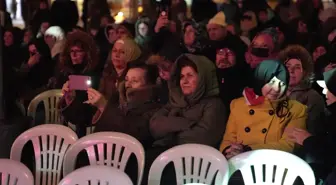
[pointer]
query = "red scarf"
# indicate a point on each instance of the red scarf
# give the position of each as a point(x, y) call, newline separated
point(251, 98)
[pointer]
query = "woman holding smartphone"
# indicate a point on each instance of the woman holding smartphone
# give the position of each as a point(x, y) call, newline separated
point(79, 57)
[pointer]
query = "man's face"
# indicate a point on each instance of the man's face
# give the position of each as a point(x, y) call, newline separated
point(260, 49)
point(216, 32)
point(225, 58)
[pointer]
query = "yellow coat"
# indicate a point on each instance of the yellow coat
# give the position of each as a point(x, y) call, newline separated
point(259, 127)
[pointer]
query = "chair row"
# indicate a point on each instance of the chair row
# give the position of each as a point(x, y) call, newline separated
point(56, 147)
point(15, 173)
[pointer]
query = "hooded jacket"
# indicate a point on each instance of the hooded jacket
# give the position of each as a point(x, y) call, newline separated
point(142, 41)
point(197, 118)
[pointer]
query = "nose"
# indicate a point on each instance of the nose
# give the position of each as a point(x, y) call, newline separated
point(127, 84)
point(276, 87)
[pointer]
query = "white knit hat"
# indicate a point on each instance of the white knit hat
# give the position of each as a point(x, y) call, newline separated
point(55, 31)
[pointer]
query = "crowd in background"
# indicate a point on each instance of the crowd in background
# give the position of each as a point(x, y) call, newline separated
point(237, 75)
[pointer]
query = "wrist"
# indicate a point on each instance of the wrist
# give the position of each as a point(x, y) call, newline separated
point(102, 106)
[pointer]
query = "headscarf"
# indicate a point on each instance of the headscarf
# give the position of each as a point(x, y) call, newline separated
point(200, 36)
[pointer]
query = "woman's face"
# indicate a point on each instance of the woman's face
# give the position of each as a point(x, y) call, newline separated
point(135, 78)
point(188, 80)
point(8, 38)
point(165, 68)
point(274, 89)
point(319, 51)
point(112, 36)
point(77, 55)
point(225, 58)
point(122, 32)
point(143, 29)
point(296, 72)
point(189, 35)
point(118, 56)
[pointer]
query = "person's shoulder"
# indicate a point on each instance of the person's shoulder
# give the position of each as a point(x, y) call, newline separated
point(313, 95)
point(297, 107)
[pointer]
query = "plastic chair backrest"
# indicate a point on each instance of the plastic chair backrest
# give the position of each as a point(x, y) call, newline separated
point(194, 163)
point(50, 142)
point(50, 100)
point(96, 175)
point(14, 173)
point(271, 167)
point(106, 148)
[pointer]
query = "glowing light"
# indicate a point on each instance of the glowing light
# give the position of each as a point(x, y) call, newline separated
point(140, 9)
point(119, 18)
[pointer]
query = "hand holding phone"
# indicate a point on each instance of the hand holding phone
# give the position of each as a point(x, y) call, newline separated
point(78, 82)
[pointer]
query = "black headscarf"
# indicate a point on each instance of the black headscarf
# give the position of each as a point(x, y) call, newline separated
point(330, 80)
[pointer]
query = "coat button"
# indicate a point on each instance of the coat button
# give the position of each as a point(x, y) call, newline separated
point(264, 130)
point(271, 112)
point(247, 129)
point(251, 112)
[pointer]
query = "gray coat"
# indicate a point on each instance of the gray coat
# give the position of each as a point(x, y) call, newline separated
point(198, 118)
point(316, 106)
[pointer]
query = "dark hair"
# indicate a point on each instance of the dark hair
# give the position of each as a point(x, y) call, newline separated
point(151, 71)
point(181, 63)
point(186, 62)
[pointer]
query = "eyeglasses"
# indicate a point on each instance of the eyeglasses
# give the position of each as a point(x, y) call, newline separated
point(225, 52)
point(76, 51)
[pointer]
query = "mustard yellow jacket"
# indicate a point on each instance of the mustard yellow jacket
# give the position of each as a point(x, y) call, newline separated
point(259, 127)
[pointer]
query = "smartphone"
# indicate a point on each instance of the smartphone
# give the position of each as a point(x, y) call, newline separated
point(78, 82)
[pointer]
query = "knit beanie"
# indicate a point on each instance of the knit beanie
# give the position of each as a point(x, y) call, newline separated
point(55, 31)
point(330, 80)
point(218, 19)
point(265, 71)
point(132, 50)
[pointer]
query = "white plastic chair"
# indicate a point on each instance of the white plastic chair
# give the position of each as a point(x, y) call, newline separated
point(50, 100)
point(271, 167)
point(194, 163)
point(96, 175)
point(50, 142)
point(118, 148)
point(14, 173)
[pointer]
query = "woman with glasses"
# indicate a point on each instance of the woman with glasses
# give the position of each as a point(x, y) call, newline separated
point(258, 120)
point(79, 57)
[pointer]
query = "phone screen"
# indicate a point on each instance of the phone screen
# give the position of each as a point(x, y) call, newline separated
point(78, 82)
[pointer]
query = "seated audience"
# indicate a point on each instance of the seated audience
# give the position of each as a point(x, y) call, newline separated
point(194, 113)
point(132, 115)
point(321, 146)
point(79, 57)
point(124, 51)
point(300, 66)
point(258, 119)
